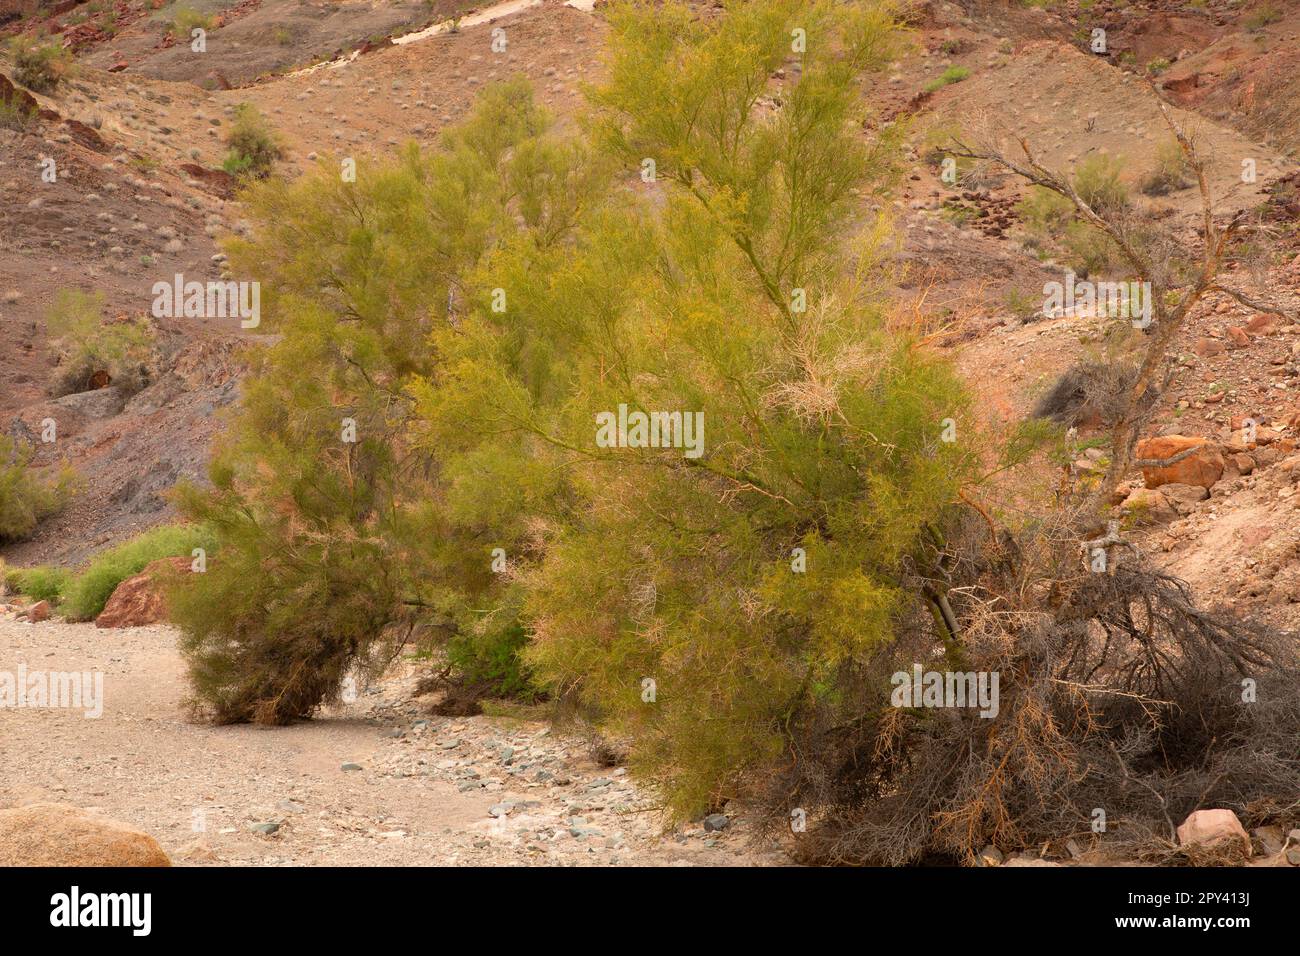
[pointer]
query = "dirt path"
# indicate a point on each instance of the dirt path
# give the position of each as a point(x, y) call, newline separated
point(431, 790)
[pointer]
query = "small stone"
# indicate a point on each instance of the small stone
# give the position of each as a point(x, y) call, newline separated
point(716, 822)
point(266, 828)
point(350, 767)
point(990, 856)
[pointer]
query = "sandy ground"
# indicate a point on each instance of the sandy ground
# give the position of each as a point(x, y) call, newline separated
point(431, 790)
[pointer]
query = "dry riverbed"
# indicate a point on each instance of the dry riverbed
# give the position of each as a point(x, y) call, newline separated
point(429, 790)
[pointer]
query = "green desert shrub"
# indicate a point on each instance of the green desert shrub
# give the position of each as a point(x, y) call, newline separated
point(490, 664)
point(254, 147)
point(26, 497)
point(40, 583)
point(336, 548)
point(1170, 173)
point(1045, 212)
point(1098, 183)
point(1052, 221)
point(92, 352)
point(187, 19)
point(703, 601)
point(89, 590)
point(426, 453)
point(39, 64)
point(954, 74)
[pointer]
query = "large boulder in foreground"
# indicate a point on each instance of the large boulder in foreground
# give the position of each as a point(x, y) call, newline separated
point(56, 834)
point(1179, 459)
point(139, 600)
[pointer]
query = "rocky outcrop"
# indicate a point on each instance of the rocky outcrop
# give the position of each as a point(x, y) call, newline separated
point(140, 600)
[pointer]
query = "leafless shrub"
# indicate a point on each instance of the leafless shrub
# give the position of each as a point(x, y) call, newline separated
point(1117, 694)
point(1088, 393)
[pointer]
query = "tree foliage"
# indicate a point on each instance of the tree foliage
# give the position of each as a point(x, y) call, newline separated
point(475, 310)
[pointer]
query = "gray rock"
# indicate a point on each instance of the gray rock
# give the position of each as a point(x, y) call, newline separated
point(990, 856)
point(266, 828)
point(350, 767)
point(716, 822)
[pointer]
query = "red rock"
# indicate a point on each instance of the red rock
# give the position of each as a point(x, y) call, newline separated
point(1208, 348)
point(218, 181)
point(1203, 466)
point(1262, 325)
point(40, 611)
point(1238, 336)
point(1146, 506)
point(139, 600)
point(56, 834)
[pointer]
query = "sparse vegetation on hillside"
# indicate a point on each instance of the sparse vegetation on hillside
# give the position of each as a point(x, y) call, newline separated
point(187, 19)
point(254, 147)
point(38, 63)
point(26, 497)
point(93, 353)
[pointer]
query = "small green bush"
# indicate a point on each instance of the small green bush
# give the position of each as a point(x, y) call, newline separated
point(187, 19)
point(1170, 173)
point(25, 498)
point(254, 148)
point(1050, 216)
point(490, 663)
point(1090, 251)
point(954, 74)
point(40, 583)
point(86, 595)
point(86, 345)
point(1098, 184)
point(1045, 212)
point(39, 65)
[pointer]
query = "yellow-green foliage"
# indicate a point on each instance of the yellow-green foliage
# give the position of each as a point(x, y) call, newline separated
point(86, 344)
point(188, 19)
point(26, 497)
point(40, 583)
point(254, 147)
point(473, 310)
point(1170, 172)
point(38, 63)
point(822, 429)
point(329, 547)
point(1051, 217)
point(89, 590)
